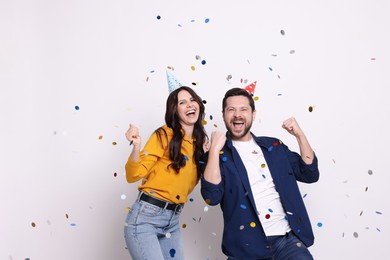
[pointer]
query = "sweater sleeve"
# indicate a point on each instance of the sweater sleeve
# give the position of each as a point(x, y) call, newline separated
point(152, 152)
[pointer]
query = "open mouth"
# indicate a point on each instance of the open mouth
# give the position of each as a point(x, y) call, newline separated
point(190, 113)
point(238, 125)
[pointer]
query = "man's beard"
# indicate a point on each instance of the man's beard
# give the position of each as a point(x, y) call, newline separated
point(246, 130)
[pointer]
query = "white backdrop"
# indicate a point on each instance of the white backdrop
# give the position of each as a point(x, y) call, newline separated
point(74, 74)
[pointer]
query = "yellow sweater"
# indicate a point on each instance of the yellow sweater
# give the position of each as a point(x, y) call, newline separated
point(159, 180)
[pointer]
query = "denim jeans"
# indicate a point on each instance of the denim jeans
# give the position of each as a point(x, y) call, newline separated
point(288, 247)
point(153, 233)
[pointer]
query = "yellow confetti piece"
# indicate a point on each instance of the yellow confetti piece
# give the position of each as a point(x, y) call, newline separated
point(128, 209)
point(220, 152)
point(263, 165)
point(100, 137)
point(256, 98)
point(253, 224)
point(208, 201)
point(204, 122)
point(33, 224)
point(184, 226)
point(193, 68)
point(114, 143)
point(215, 125)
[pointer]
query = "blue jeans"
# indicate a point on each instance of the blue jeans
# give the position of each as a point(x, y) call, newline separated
point(153, 233)
point(288, 247)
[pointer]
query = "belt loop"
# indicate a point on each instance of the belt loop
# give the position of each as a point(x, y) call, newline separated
point(139, 195)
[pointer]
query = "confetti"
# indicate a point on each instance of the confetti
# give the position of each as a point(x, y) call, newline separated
point(242, 227)
point(168, 235)
point(252, 224)
point(282, 32)
point(203, 62)
point(193, 68)
point(319, 224)
point(172, 252)
point(115, 174)
point(77, 107)
point(33, 224)
point(114, 143)
point(100, 137)
point(72, 224)
point(310, 109)
point(355, 234)
point(370, 172)
point(292, 52)
point(267, 216)
point(206, 209)
point(158, 17)
point(243, 206)
point(191, 199)
point(123, 196)
point(207, 20)
point(184, 226)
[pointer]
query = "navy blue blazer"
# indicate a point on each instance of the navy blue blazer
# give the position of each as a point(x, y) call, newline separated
point(243, 235)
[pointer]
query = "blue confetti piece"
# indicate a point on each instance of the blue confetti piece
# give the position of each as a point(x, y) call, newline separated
point(270, 210)
point(270, 148)
point(243, 206)
point(207, 20)
point(319, 224)
point(270, 68)
point(191, 199)
point(192, 21)
point(378, 212)
point(178, 197)
point(201, 162)
point(186, 158)
point(264, 176)
point(73, 225)
point(203, 62)
point(304, 196)
point(158, 17)
point(77, 107)
point(172, 252)
point(224, 158)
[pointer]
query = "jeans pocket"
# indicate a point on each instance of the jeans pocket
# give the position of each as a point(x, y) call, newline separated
point(149, 210)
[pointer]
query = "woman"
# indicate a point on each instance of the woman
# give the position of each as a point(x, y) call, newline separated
point(169, 168)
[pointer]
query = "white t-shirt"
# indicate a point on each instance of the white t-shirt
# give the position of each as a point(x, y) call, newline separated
point(267, 200)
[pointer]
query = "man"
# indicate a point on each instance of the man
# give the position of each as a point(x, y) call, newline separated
point(254, 179)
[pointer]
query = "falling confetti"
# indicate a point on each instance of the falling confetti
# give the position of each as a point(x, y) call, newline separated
point(158, 17)
point(370, 172)
point(319, 224)
point(267, 216)
point(100, 137)
point(193, 68)
point(123, 196)
point(282, 32)
point(206, 209)
point(243, 206)
point(72, 224)
point(310, 109)
point(168, 235)
point(207, 20)
point(242, 227)
point(115, 174)
point(252, 224)
point(292, 51)
point(203, 62)
point(33, 224)
point(172, 252)
point(77, 107)
point(184, 226)
point(355, 234)
point(114, 143)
